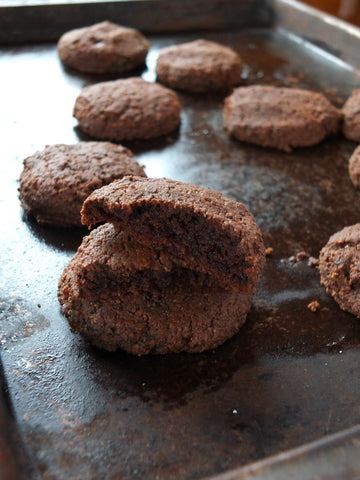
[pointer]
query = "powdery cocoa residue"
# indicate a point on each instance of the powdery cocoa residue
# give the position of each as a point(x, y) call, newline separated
point(300, 257)
point(313, 262)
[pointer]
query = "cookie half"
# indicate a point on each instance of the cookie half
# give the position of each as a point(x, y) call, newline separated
point(340, 268)
point(55, 182)
point(197, 228)
point(103, 48)
point(127, 109)
point(279, 117)
point(118, 293)
point(199, 66)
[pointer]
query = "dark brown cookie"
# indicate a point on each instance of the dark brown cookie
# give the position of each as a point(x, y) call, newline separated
point(340, 268)
point(279, 117)
point(55, 181)
point(127, 109)
point(119, 294)
point(175, 270)
point(354, 167)
point(196, 227)
point(351, 117)
point(199, 66)
point(103, 48)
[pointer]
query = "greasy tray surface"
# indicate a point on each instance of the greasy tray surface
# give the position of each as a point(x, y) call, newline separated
point(289, 377)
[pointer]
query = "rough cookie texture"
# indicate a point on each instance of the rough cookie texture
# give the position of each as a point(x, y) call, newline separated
point(55, 181)
point(175, 270)
point(127, 109)
point(279, 117)
point(354, 167)
point(199, 66)
point(119, 294)
point(351, 117)
point(103, 48)
point(340, 268)
point(198, 227)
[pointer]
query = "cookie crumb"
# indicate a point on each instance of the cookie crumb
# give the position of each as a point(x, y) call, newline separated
point(302, 256)
point(313, 262)
point(292, 80)
point(314, 306)
point(298, 257)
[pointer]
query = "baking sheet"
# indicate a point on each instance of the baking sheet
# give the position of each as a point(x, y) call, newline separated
point(289, 377)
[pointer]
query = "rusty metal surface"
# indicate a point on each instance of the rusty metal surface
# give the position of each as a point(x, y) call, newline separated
point(289, 377)
point(320, 29)
point(334, 456)
point(38, 21)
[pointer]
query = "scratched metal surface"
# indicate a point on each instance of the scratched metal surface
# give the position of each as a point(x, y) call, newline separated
point(289, 377)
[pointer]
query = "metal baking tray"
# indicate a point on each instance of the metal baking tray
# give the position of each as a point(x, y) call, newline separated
point(279, 400)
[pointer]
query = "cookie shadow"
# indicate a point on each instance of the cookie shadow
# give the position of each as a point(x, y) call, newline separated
point(62, 239)
point(139, 146)
point(92, 78)
point(168, 379)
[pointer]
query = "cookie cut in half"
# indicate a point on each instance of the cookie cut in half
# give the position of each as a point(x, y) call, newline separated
point(174, 269)
point(197, 227)
point(119, 294)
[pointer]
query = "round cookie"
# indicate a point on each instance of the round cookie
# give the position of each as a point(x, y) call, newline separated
point(127, 109)
point(103, 48)
point(199, 66)
point(339, 265)
point(351, 117)
point(117, 294)
point(55, 181)
point(279, 117)
point(354, 167)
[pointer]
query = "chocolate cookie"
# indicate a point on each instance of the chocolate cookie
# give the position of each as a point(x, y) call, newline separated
point(199, 66)
point(119, 294)
point(340, 268)
point(354, 167)
point(127, 109)
point(351, 114)
point(55, 181)
point(103, 48)
point(196, 227)
point(279, 117)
